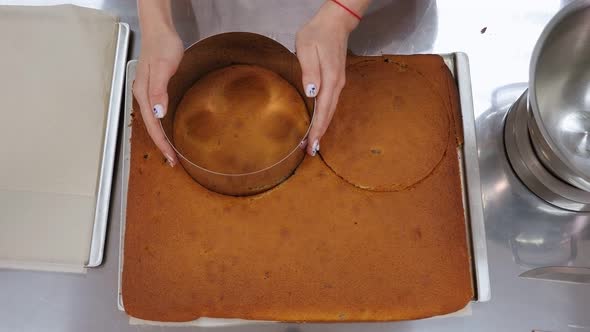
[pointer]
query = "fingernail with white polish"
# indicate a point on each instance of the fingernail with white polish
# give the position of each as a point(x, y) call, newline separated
point(315, 148)
point(158, 111)
point(311, 90)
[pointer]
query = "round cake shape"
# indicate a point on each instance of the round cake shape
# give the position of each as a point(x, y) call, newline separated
point(239, 119)
point(390, 131)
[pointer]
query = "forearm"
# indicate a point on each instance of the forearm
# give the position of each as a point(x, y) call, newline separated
point(358, 6)
point(155, 15)
point(342, 15)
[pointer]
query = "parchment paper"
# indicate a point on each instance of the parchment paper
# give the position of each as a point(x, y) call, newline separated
point(56, 70)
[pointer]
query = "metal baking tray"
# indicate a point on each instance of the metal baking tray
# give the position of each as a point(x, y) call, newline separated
point(458, 64)
point(109, 147)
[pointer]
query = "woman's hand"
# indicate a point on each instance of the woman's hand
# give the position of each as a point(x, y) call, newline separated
point(161, 52)
point(321, 47)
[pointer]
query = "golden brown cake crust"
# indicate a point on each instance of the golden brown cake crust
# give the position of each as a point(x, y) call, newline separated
point(314, 248)
point(239, 119)
point(391, 128)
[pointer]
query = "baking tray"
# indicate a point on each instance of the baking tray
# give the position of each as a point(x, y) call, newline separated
point(458, 64)
point(109, 149)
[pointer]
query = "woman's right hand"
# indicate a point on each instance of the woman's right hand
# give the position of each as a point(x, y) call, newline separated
point(161, 52)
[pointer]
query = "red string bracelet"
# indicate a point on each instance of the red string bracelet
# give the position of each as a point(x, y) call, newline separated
point(347, 9)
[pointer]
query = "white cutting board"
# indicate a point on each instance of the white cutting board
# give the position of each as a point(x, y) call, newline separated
point(55, 75)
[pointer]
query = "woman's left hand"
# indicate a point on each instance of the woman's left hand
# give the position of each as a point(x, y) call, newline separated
point(321, 47)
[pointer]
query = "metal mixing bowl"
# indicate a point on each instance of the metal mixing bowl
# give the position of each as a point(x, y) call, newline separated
point(528, 167)
point(220, 51)
point(560, 95)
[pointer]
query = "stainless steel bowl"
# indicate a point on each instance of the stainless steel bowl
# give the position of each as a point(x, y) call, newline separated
point(220, 51)
point(528, 167)
point(560, 95)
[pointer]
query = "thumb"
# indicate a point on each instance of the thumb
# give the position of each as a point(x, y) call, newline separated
point(159, 76)
point(310, 69)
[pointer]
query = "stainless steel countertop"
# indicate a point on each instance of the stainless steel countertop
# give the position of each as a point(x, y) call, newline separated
point(523, 232)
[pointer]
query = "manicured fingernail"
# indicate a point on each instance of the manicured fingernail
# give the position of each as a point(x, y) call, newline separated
point(303, 144)
point(158, 111)
point(311, 90)
point(315, 148)
point(170, 161)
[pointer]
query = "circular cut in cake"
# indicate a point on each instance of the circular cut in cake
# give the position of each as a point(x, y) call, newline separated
point(239, 119)
point(391, 129)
